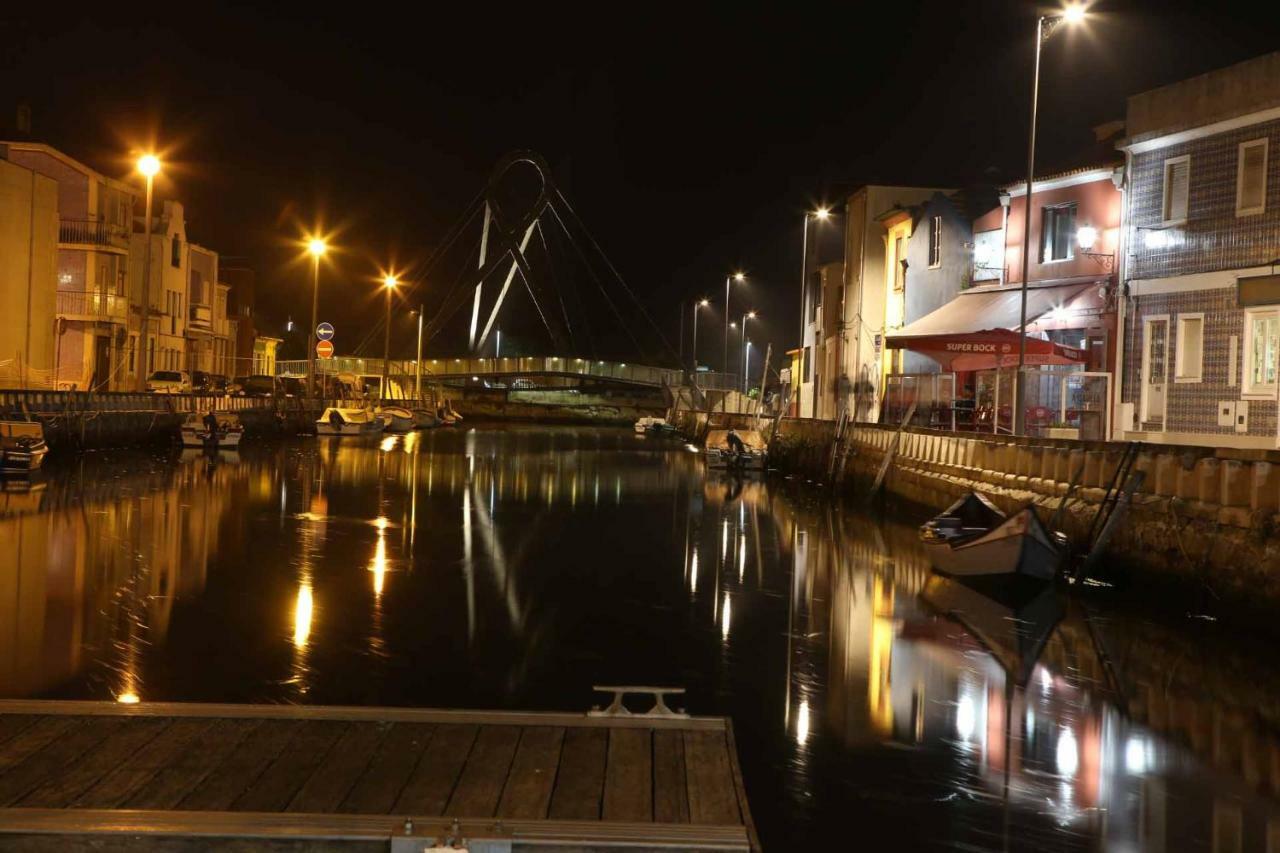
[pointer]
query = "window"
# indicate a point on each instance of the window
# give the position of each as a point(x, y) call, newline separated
point(1188, 360)
point(1058, 233)
point(175, 255)
point(899, 270)
point(1261, 345)
point(1251, 178)
point(1177, 189)
point(151, 355)
point(935, 242)
point(807, 372)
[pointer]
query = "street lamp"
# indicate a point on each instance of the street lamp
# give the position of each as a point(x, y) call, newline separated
point(822, 214)
point(1045, 25)
point(149, 166)
point(389, 285)
point(316, 246)
point(703, 303)
point(750, 315)
point(738, 277)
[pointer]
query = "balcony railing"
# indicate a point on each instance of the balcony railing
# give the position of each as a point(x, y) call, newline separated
point(93, 233)
point(201, 317)
point(92, 305)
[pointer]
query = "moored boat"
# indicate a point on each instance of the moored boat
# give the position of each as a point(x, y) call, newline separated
point(751, 458)
point(337, 420)
point(972, 538)
point(195, 432)
point(654, 426)
point(22, 446)
point(425, 419)
point(396, 418)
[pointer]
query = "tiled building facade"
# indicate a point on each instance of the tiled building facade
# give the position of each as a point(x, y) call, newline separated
point(1202, 335)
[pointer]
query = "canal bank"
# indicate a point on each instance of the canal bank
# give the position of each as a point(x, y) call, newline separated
point(1202, 519)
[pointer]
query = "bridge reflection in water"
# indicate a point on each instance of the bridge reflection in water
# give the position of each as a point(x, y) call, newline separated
point(513, 568)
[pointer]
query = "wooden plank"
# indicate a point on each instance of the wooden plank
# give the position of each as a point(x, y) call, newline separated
point(34, 738)
point(433, 780)
point(580, 781)
point(628, 778)
point(172, 783)
point(341, 769)
point(50, 761)
point(237, 773)
point(60, 790)
point(485, 774)
point(389, 771)
point(12, 724)
point(712, 796)
point(304, 753)
point(115, 788)
point(533, 773)
point(670, 784)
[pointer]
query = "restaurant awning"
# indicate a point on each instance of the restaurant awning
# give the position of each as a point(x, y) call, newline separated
point(978, 329)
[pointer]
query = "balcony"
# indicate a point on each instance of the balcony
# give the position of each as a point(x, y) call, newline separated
point(85, 232)
point(92, 305)
point(200, 318)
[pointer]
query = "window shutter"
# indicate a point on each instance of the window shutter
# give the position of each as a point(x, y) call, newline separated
point(1252, 177)
point(1176, 200)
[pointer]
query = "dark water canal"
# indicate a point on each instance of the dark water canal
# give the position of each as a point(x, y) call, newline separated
point(514, 568)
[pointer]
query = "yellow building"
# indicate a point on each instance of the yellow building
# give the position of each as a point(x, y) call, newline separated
point(28, 276)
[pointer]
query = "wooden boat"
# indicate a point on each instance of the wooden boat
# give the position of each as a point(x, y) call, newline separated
point(22, 447)
point(397, 418)
point(972, 538)
point(720, 456)
point(342, 421)
point(425, 419)
point(229, 432)
point(447, 416)
point(654, 426)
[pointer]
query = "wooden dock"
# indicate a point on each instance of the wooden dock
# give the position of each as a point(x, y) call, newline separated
point(100, 775)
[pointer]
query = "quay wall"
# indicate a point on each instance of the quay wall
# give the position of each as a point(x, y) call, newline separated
point(1204, 518)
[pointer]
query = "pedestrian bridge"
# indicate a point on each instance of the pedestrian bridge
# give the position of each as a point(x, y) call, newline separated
point(466, 370)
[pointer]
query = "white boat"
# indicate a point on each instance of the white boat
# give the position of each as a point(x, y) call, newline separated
point(342, 421)
point(972, 538)
point(397, 418)
point(655, 426)
point(751, 458)
point(229, 432)
point(22, 446)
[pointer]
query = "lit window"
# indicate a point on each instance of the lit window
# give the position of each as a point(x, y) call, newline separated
point(935, 242)
point(1251, 178)
point(1261, 346)
point(1058, 233)
point(1188, 362)
point(1177, 189)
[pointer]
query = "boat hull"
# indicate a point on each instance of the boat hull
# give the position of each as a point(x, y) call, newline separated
point(370, 428)
point(228, 440)
point(1018, 546)
point(20, 462)
point(735, 462)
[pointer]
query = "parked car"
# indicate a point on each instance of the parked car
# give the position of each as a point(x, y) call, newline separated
point(199, 382)
point(169, 382)
point(218, 384)
point(292, 386)
point(258, 385)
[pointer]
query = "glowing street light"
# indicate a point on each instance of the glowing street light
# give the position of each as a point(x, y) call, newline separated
point(738, 277)
point(389, 285)
point(1045, 25)
point(316, 247)
point(744, 343)
point(149, 167)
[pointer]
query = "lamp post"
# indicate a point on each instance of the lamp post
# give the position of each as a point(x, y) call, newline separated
point(701, 303)
point(417, 364)
point(1045, 25)
point(750, 315)
point(316, 247)
point(746, 363)
point(149, 166)
point(389, 285)
point(821, 214)
point(738, 277)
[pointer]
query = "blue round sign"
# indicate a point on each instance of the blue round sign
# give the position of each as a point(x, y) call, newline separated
point(324, 331)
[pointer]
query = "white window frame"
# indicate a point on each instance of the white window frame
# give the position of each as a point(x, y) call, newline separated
point(935, 242)
point(1184, 373)
point(1164, 196)
point(1144, 376)
point(1252, 143)
point(1250, 391)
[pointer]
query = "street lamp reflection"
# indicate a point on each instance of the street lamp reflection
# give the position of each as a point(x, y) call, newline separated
point(302, 612)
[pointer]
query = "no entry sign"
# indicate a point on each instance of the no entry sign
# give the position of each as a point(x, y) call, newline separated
point(324, 349)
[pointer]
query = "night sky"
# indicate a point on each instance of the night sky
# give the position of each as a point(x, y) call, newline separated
point(690, 140)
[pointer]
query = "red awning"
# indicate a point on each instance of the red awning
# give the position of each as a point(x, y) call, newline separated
point(986, 350)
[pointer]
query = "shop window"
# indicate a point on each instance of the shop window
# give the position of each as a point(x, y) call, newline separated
point(1058, 233)
point(1177, 189)
point(1251, 178)
point(1261, 346)
point(1188, 360)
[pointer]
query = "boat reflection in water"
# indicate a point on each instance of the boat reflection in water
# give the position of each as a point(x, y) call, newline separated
point(516, 567)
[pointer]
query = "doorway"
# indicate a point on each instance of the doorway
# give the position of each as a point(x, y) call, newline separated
point(101, 364)
point(1155, 370)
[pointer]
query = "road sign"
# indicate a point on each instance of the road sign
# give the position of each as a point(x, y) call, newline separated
point(325, 331)
point(324, 349)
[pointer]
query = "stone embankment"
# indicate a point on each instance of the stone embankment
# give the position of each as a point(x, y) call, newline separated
point(1203, 518)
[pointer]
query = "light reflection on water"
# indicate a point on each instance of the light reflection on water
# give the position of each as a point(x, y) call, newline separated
point(515, 568)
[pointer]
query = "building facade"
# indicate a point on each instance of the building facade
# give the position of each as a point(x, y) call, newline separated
point(1203, 333)
point(28, 276)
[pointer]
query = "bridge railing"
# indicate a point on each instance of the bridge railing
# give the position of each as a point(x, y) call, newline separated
point(453, 368)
